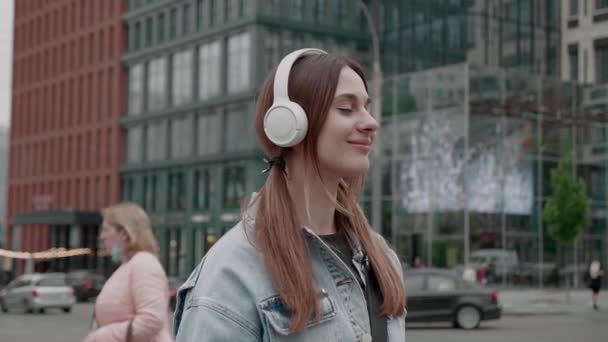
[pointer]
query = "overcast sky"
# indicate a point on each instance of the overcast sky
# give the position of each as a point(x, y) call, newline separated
point(6, 51)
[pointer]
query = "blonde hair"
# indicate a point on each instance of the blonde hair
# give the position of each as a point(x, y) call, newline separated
point(594, 269)
point(133, 220)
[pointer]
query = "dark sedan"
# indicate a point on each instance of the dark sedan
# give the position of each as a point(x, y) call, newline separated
point(435, 295)
point(86, 284)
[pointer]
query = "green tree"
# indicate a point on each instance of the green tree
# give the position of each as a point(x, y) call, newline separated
point(567, 210)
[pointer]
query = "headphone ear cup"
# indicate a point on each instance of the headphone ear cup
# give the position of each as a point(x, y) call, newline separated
point(285, 123)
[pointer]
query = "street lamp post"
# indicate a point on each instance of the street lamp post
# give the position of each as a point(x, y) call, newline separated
point(376, 167)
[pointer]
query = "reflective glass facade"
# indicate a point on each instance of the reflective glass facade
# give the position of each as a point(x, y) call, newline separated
point(470, 150)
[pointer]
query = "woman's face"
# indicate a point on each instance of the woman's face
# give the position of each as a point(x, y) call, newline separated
point(346, 138)
point(110, 236)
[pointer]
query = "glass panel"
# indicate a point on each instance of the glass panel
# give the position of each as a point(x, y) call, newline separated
point(160, 28)
point(238, 130)
point(156, 141)
point(200, 13)
point(173, 23)
point(134, 144)
point(177, 191)
point(238, 62)
point(441, 284)
point(149, 32)
point(209, 128)
point(157, 84)
point(136, 89)
point(414, 283)
point(182, 77)
point(149, 189)
point(234, 186)
point(209, 59)
point(202, 184)
point(181, 137)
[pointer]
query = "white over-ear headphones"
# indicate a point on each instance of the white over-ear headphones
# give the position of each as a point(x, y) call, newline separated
point(285, 122)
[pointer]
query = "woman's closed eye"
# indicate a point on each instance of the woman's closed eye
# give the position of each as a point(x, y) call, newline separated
point(345, 109)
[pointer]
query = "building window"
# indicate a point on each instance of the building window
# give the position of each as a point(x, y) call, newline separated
point(573, 10)
point(137, 36)
point(200, 14)
point(156, 141)
point(178, 240)
point(134, 143)
point(173, 23)
point(272, 54)
point(149, 32)
point(149, 188)
point(186, 19)
point(573, 59)
point(177, 191)
point(161, 28)
point(238, 133)
point(318, 10)
point(213, 7)
point(157, 84)
point(209, 63)
point(182, 78)
point(136, 89)
point(601, 60)
point(202, 189)
point(234, 186)
point(238, 62)
point(297, 9)
point(601, 4)
point(234, 9)
point(181, 138)
point(209, 128)
point(127, 188)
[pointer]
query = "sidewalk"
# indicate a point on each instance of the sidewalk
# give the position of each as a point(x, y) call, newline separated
point(548, 302)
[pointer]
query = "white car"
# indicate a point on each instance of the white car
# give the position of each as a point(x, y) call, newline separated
point(37, 292)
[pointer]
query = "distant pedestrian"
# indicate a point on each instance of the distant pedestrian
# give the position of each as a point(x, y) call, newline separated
point(469, 273)
point(133, 304)
point(417, 263)
point(595, 281)
point(482, 274)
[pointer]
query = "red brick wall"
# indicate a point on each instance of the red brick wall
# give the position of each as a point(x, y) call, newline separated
point(68, 96)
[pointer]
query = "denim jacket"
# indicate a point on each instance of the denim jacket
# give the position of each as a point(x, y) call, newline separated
point(230, 296)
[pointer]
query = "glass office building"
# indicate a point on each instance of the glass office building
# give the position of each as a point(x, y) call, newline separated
point(470, 135)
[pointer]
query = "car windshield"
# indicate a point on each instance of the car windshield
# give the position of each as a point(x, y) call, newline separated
point(52, 281)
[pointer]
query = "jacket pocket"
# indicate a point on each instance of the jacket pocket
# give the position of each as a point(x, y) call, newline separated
point(279, 319)
point(182, 296)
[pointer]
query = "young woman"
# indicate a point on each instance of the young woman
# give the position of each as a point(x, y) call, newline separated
point(133, 304)
point(595, 281)
point(303, 264)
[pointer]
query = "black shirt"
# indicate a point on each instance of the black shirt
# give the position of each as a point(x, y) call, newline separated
point(373, 296)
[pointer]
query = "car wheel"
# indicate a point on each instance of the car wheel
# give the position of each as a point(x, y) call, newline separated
point(67, 310)
point(41, 311)
point(3, 307)
point(468, 317)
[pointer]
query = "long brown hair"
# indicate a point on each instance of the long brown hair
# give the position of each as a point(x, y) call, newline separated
point(278, 233)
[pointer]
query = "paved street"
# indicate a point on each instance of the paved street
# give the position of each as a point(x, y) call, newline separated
point(587, 326)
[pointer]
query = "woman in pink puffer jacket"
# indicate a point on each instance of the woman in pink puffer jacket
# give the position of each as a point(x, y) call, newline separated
point(133, 304)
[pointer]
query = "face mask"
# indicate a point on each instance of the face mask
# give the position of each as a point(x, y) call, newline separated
point(116, 253)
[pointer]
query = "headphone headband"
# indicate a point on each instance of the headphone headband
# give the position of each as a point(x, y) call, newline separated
point(281, 78)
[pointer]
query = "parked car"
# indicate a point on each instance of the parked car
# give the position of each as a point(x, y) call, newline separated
point(437, 295)
point(174, 284)
point(37, 292)
point(85, 283)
